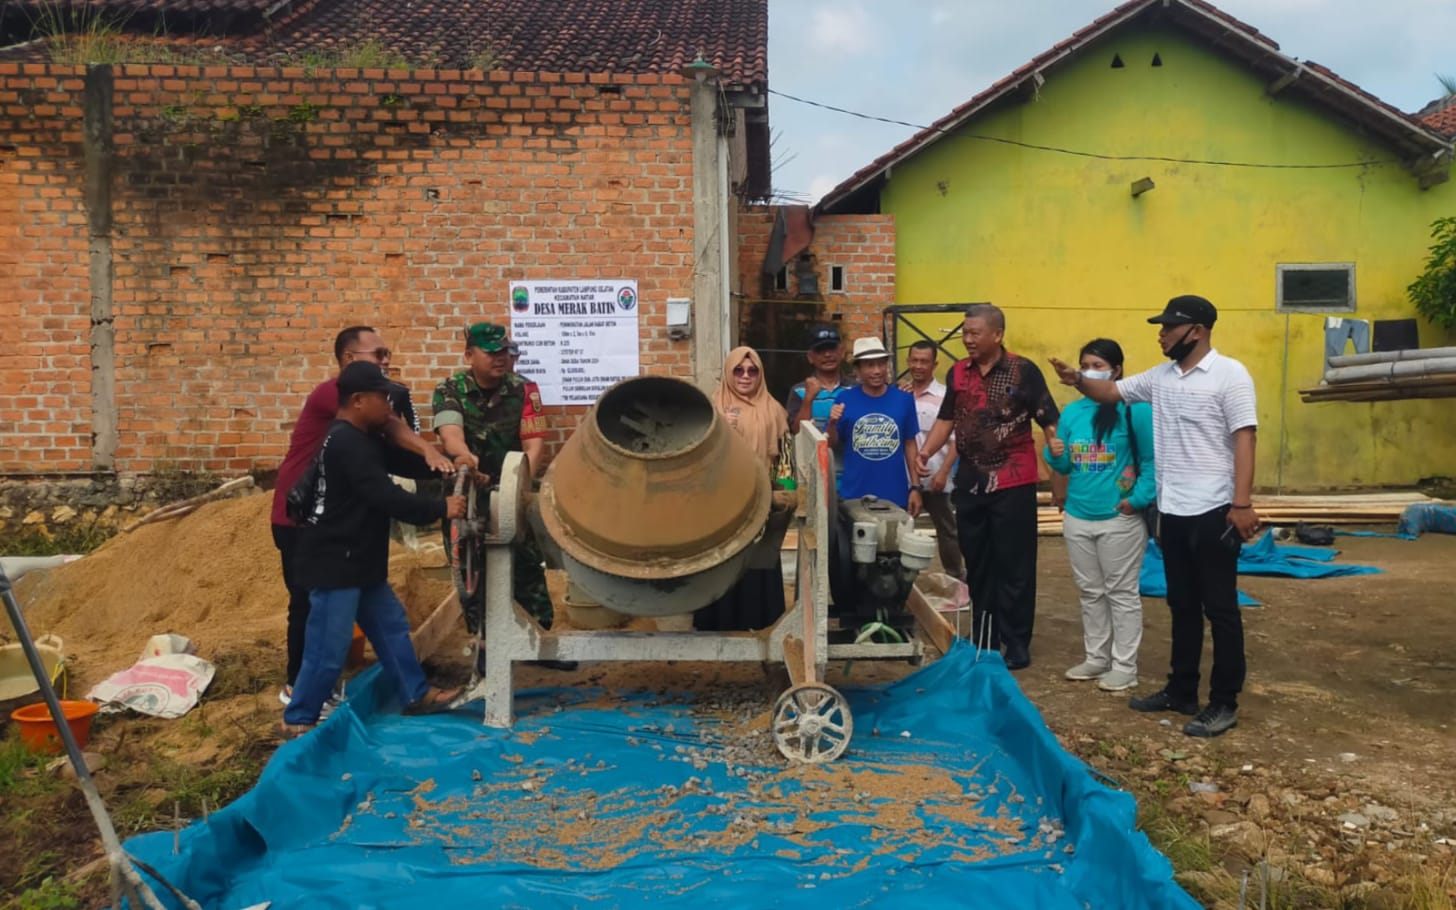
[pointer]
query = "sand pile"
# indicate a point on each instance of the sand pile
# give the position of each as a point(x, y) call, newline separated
point(213, 576)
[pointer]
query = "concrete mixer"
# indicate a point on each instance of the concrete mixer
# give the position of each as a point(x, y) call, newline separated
point(656, 505)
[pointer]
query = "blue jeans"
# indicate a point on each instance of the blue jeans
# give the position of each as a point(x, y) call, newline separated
point(331, 618)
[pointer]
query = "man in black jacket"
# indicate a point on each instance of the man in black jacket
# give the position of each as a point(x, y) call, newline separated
point(343, 553)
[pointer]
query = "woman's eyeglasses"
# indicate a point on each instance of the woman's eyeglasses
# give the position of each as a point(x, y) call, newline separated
point(745, 371)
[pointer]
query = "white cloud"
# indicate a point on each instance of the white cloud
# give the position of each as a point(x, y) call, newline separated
point(841, 29)
point(821, 184)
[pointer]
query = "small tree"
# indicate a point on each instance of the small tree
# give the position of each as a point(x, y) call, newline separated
point(1434, 292)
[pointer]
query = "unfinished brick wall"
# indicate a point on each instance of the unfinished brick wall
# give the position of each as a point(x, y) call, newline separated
point(257, 211)
point(45, 372)
point(864, 245)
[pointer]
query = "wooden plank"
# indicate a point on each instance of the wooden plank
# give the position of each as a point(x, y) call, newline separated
point(794, 659)
point(432, 633)
point(942, 633)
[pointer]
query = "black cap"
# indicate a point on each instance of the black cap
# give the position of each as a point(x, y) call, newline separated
point(362, 376)
point(823, 336)
point(1189, 309)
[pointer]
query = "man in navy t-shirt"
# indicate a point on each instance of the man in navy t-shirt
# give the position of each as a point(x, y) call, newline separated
point(873, 427)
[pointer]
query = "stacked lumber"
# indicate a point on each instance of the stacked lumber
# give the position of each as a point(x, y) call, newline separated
point(1324, 509)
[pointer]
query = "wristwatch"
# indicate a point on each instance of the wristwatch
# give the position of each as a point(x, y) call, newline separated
point(917, 488)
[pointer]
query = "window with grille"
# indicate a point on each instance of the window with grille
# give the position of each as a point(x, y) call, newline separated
point(1323, 287)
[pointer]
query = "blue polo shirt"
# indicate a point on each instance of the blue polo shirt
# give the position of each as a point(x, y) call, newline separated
point(872, 436)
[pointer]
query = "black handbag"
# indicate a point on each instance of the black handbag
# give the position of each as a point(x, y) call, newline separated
point(302, 499)
point(1150, 515)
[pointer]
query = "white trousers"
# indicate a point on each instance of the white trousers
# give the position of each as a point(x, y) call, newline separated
point(1107, 557)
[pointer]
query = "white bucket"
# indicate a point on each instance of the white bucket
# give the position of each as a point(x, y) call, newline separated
point(17, 684)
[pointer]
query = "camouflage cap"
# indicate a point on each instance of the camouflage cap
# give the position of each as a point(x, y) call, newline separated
point(487, 336)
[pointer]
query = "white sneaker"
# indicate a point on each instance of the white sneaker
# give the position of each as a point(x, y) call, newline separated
point(1087, 670)
point(1117, 681)
point(285, 695)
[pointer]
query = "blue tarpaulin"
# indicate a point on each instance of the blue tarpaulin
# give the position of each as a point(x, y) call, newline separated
point(1262, 557)
point(1420, 517)
point(952, 787)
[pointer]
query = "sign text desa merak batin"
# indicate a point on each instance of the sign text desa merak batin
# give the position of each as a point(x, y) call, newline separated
point(576, 337)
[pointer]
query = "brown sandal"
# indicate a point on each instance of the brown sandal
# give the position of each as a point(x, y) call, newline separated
point(434, 701)
point(286, 731)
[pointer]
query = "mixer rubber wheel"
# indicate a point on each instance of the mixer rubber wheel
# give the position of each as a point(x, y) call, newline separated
point(812, 723)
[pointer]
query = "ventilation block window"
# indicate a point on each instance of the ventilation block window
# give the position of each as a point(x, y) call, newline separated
point(781, 279)
point(836, 278)
point(1324, 287)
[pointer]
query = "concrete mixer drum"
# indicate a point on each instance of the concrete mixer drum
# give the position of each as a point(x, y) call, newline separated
point(655, 500)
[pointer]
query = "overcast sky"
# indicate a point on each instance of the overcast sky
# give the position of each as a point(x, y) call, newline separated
point(914, 60)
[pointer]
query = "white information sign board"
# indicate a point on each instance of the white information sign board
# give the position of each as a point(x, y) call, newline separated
point(576, 337)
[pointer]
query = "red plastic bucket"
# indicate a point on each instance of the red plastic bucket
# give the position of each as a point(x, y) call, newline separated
point(39, 732)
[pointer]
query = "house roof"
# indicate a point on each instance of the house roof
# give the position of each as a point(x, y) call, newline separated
point(626, 36)
point(629, 36)
point(1405, 132)
point(1440, 115)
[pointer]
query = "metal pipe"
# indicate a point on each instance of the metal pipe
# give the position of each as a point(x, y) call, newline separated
point(1407, 369)
point(124, 877)
point(1355, 360)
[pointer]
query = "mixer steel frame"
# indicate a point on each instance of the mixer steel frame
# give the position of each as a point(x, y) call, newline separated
point(812, 722)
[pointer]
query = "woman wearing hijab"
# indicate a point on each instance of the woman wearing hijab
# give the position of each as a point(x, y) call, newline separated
point(757, 600)
point(1106, 451)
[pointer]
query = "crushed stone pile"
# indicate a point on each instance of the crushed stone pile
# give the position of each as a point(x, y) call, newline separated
point(213, 576)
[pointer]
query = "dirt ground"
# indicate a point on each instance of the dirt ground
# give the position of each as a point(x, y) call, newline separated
point(1337, 789)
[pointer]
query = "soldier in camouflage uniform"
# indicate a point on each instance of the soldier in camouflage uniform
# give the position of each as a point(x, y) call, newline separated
point(480, 415)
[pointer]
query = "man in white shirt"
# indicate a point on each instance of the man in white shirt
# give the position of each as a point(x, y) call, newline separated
point(938, 483)
point(1204, 431)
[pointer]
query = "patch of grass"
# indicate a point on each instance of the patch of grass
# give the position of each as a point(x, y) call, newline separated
point(370, 54)
point(50, 894)
point(1186, 848)
point(79, 537)
point(22, 772)
point(303, 113)
point(484, 60)
point(239, 673)
point(1431, 887)
point(171, 482)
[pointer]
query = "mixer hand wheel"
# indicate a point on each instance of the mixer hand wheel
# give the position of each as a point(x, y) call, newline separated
point(464, 533)
point(812, 723)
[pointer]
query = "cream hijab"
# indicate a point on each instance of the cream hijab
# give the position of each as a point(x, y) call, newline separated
point(760, 420)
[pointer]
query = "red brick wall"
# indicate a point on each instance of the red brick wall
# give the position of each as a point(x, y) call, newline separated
point(863, 244)
point(258, 211)
point(45, 374)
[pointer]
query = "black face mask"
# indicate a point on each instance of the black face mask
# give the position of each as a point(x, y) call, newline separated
point(1184, 347)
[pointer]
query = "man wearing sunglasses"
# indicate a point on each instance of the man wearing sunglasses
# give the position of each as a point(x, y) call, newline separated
point(357, 343)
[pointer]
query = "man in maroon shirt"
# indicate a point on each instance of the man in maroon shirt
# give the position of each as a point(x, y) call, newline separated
point(991, 399)
point(356, 343)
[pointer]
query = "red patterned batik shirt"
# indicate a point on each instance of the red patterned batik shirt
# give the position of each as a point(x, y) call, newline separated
point(992, 416)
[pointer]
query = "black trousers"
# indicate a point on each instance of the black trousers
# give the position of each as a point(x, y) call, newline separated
point(998, 541)
point(286, 540)
point(1201, 555)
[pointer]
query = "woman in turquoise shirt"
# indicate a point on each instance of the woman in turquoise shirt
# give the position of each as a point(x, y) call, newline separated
point(1106, 451)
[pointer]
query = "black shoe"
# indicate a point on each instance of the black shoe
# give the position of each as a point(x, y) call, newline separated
point(1213, 720)
point(1163, 700)
point(567, 665)
point(1017, 658)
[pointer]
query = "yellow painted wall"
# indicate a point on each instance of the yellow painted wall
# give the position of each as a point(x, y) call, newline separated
point(1060, 243)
